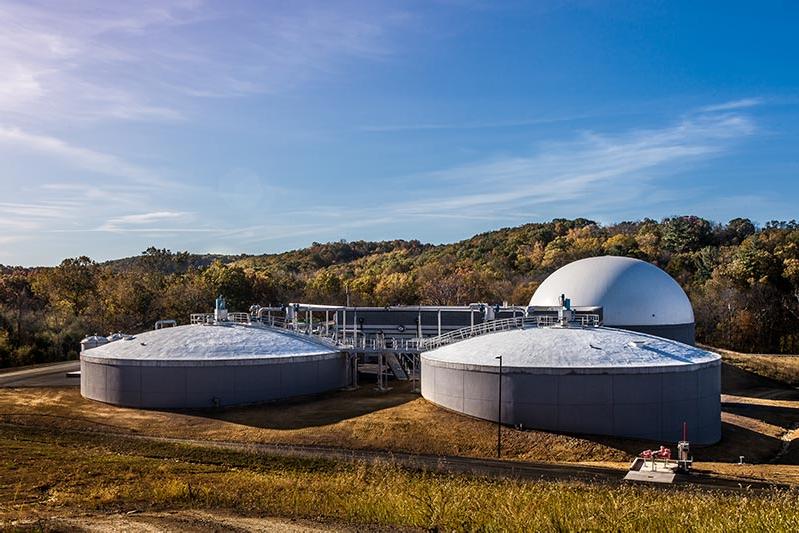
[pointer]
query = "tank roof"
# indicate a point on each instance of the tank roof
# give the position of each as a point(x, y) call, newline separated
point(601, 349)
point(209, 343)
point(631, 292)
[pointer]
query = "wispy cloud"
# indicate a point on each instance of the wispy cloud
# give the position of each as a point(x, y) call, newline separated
point(590, 167)
point(149, 222)
point(733, 105)
point(84, 158)
point(593, 174)
point(432, 126)
point(139, 61)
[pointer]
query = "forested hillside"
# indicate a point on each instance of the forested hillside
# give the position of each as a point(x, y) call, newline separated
point(743, 280)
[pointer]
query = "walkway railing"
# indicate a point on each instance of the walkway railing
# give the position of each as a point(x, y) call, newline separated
point(475, 331)
point(208, 318)
point(502, 325)
point(380, 342)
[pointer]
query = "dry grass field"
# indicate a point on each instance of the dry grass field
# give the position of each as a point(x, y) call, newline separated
point(52, 481)
point(48, 470)
point(780, 368)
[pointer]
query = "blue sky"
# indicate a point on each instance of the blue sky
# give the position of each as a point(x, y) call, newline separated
point(253, 127)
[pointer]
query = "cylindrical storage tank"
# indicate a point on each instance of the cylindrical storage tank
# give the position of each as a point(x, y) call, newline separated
point(92, 341)
point(633, 294)
point(210, 365)
point(599, 381)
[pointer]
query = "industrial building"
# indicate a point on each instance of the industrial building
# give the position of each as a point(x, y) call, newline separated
point(627, 293)
point(573, 379)
point(400, 322)
point(605, 347)
point(207, 365)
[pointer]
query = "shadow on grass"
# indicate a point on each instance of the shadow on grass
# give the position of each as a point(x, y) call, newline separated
point(740, 382)
point(785, 417)
point(791, 457)
point(735, 441)
point(313, 411)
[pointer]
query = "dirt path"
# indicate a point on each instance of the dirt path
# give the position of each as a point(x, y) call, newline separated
point(191, 521)
point(49, 375)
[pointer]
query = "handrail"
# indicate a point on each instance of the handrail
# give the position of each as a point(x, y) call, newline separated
point(380, 342)
point(474, 331)
point(504, 324)
point(202, 318)
point(208, 318)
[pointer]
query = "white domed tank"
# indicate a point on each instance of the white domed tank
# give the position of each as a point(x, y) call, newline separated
point(632, 294)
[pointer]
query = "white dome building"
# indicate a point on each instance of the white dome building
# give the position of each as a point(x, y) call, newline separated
point(631, 293)
point(209, 365)
point(592, 380)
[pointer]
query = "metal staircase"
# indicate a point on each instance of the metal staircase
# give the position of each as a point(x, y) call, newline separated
point(395, 366)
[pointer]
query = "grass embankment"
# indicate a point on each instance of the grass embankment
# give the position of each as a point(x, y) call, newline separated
point(47, 475)
point(782, 368)
point(396, 421)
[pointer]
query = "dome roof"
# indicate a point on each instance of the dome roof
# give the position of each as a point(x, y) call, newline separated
point(557, 349)
point(209, 343)
point(631, 292)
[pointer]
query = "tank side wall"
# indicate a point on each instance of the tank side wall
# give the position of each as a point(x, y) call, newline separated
point(649, 406)
point(480, 394)
point(177, 387)
point(637, 402)
point(585, 404)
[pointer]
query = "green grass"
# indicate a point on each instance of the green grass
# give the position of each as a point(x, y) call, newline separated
point(45, 473)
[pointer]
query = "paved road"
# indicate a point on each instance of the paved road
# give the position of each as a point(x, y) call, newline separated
point(49, 375)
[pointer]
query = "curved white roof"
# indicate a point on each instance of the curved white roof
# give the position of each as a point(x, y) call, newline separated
point(570, 349)
point(208, 343)
point(631, 292)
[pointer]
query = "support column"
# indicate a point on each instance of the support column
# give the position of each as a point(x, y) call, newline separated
point(352, 366)
point(381, 386)
point(415, 388)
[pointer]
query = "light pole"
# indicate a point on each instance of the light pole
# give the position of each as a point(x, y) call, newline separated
point(499, 408)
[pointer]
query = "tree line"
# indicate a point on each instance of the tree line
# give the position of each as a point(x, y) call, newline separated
point(743, 280)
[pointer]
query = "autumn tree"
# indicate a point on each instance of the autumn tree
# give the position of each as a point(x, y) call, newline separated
point(232, 283)
point(71, 285)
